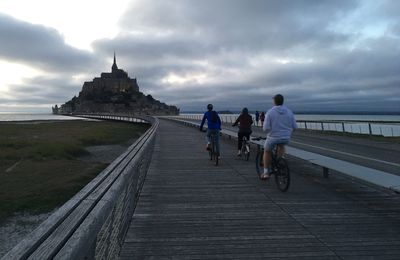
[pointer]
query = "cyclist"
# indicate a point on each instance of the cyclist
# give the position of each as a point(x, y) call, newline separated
point(213, 126)
point(244, 121)
point(279, 123)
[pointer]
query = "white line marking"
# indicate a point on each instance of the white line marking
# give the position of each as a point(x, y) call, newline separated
point(349, 154)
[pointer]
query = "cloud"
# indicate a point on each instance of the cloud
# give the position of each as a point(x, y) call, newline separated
point(39, 46)
point(321, 55)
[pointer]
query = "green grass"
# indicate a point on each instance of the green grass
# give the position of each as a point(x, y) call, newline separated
point(39, 162)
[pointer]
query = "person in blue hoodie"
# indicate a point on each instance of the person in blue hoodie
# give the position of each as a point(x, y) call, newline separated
point(213, 126)
point(279, 123)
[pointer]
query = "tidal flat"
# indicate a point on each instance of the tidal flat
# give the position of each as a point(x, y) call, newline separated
point(44, 163)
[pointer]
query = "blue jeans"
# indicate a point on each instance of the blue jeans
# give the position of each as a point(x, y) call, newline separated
point(216, 133)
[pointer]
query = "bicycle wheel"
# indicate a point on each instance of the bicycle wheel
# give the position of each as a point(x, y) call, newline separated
point(216, 155)
point(246, 152)
point(259, 163)
point(282, 175)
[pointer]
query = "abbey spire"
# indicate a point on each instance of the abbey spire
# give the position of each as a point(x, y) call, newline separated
point(114, 66)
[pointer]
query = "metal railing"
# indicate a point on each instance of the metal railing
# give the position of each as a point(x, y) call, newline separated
point(380, 128)
point(94, 222)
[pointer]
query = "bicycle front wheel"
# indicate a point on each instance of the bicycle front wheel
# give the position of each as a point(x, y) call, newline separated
point(282, 175)
point(247, 152)
point(259, 163)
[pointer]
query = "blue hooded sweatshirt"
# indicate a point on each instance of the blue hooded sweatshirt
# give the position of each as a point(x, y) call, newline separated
point(213, 120)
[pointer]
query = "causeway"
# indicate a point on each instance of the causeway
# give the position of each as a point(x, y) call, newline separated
point(191, 209)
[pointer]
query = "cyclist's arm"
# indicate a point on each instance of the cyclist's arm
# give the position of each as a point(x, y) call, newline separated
point(219, 122)
point(294, 124)
point(203, 121)
point(267, 124)
point(236, 122)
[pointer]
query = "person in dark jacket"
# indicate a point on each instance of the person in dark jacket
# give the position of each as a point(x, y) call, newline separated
point(213, 126)
point(257, 117)
point(244, 121)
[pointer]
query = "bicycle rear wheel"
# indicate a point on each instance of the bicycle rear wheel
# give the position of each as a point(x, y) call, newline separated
point(259, 163)
point(215, 154)
point(282, 175)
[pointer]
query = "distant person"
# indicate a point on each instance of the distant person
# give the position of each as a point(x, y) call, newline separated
point(262, 118)
point(213, 126)
point(279, 123)
point(244, 121)
point(257, 117)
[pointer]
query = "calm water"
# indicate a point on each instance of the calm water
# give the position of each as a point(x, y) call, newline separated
point(311, 117)
point(385, 129)
point(31, 117)
point(379, 127)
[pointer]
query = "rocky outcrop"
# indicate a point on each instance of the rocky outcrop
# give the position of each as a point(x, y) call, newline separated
point(114, 92)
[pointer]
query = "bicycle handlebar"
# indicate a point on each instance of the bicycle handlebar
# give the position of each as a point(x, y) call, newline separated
point(258, 138)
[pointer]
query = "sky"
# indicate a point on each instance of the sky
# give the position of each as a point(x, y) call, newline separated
point(321, 55)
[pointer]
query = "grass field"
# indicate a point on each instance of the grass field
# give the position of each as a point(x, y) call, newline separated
point(40, 167)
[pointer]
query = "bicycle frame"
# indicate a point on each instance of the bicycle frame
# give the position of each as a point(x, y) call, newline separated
point(213, 151)
point(279, 167)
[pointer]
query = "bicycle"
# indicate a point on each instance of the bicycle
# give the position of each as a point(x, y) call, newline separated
point(245, 151)
point(212, 151)
point(279, 166)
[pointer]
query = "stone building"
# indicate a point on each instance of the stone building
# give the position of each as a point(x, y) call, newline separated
point(114, 92)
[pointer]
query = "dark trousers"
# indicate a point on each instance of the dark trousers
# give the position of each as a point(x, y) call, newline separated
point(240, 138)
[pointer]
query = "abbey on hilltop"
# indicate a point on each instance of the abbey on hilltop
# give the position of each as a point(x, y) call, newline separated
point(114, 92)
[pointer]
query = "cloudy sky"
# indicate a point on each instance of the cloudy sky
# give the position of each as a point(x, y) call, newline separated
point(341, 55)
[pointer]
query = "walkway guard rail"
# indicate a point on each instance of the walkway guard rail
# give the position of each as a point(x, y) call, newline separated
point(94, 222)
point(376, 177)
point(383, 128)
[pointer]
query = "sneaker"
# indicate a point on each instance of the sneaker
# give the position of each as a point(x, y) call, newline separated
point(239, 153)
point(264, 176)
point(208, 147)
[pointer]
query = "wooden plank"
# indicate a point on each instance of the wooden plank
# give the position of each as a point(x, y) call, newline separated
point(189, 208)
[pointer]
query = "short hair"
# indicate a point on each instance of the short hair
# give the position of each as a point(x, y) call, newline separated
point(278, 99)
point(209, 107)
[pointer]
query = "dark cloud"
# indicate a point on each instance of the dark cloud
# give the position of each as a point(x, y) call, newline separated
point(39, 46)
point(321, 55)
point(42, 90)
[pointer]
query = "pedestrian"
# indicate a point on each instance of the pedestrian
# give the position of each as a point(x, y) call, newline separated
point(262, 118)
point(257, 117)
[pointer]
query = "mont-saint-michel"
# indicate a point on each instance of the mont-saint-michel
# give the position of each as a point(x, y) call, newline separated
point(114, 92)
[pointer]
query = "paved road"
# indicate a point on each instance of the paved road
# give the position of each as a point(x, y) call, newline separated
point(191, 209)
point(380, 155)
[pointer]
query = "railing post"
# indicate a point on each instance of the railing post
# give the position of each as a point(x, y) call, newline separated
point(370, 129)
point(325, 172)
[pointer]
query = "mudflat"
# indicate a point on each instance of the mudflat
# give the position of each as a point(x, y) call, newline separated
point(43, 164)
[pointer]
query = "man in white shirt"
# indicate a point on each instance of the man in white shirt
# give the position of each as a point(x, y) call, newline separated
point(279, 123)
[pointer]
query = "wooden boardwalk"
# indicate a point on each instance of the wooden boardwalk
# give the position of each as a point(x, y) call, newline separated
point(191, 209)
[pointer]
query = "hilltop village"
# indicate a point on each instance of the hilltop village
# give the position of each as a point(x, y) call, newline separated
point(114, 92)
